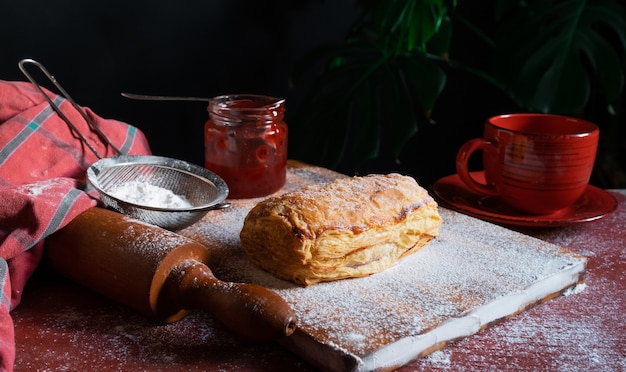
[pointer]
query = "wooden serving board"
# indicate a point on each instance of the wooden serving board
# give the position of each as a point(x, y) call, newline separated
point(473, 275)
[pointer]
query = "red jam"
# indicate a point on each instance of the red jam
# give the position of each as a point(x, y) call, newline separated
point(245, 141)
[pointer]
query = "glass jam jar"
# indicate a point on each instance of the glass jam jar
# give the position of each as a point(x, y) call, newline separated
point(245, 143)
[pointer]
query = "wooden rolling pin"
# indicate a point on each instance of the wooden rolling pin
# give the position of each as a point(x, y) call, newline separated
point(161, 274)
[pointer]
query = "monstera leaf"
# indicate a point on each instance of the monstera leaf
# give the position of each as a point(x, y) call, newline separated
point(551, 54)
point(375, 88)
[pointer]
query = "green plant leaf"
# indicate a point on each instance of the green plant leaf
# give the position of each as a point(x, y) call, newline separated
point(376, 87)
point(364, 124)
point(426, 20)
point(551, 53)
point(400, 113)
point(439, 43)
point(425, 78)
point(403, 25)
point(322, 124)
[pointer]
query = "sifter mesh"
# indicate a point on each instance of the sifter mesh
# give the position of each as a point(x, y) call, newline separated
point(202, 188)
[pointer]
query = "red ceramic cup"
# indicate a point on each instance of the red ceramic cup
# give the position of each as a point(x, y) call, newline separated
point(536, 163)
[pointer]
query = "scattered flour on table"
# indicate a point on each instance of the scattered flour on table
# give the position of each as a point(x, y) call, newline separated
point(148, 195)
point(464, 268)
point(575, 289)
point(469, 265)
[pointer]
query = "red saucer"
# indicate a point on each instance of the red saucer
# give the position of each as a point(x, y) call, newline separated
point(453, 193)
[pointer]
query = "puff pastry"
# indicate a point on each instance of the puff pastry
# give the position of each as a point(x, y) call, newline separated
point(350, 227)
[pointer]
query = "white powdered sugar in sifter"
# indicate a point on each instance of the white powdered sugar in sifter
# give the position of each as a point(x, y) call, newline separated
point(153, 181)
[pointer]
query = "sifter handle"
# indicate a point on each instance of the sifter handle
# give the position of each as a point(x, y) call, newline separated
point(250, 310)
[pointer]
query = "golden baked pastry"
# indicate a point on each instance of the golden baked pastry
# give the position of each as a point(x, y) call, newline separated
point(350, 227)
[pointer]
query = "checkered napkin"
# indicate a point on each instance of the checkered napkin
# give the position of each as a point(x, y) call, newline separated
point(42, 173)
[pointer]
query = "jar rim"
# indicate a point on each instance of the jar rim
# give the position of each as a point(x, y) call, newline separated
point(239, 108)
point(265, 102)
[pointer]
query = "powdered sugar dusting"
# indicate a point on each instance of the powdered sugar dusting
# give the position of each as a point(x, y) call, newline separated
point(57, 330)
point(119, 339)
point(470, 266)
point(575, 289)
point(447, 279)
point(144, 240)
point(148, 195)
point(298, 177)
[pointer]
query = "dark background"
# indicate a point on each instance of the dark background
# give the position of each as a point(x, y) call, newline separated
point(96, 50)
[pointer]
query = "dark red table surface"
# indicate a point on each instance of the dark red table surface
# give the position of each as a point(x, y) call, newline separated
point(61, 326)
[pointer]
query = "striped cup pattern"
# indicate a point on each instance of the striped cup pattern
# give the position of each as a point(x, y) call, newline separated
point(536, 163)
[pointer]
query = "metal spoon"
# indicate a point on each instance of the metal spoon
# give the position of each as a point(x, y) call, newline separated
point(145, 97)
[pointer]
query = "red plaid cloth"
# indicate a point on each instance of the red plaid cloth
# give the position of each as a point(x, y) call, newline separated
point(42, 173)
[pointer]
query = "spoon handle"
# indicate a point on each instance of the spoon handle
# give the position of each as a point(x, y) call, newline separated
point(145, 97)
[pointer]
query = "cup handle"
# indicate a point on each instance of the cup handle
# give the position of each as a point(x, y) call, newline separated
point(462, 158)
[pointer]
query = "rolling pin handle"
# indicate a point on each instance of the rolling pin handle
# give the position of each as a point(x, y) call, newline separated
point(250, 310)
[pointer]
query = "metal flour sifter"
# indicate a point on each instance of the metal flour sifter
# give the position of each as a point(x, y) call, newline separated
point(203, 189)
